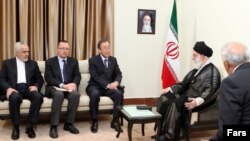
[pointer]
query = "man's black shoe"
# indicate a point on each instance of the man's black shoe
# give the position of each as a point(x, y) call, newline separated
point(69, 127)
point(30, 132)
point(115, 126)
point(153, 136)
point(15, 133)
point(94, 126)
point(53, 132)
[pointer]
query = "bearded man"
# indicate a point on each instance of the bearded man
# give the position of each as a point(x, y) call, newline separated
point(198, 84)
point(146, 27)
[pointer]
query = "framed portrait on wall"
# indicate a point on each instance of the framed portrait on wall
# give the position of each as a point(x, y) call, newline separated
point(146, 21)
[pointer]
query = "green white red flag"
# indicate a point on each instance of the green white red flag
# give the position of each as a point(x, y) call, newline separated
point(171, 61)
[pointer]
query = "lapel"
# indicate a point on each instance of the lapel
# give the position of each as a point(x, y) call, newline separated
point(111, 63)
point(68, 70)
point(27, 70)
point(243, 66)
point(57, 68)
point(101, 63)
point(111, 66)
point(196, 75)
point(14, 66)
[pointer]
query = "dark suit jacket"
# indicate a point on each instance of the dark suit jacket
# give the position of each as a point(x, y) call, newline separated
point(53, 74)
point(234, 102)
point(100, 76)
point(8, 74)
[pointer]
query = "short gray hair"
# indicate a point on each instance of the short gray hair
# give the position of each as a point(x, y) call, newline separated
point(19, 44)
point(232, 57)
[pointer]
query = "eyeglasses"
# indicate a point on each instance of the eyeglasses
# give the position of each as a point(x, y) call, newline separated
point(63, 48)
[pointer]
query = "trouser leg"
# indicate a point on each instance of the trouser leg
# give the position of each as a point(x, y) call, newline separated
point(36, 100)
point(117, 98)
point(94, 99)
point(15, 100)
point(73, 103)
point(56, 107)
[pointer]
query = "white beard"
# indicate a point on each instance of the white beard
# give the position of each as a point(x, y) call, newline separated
point(146, 28)
point(197, 63)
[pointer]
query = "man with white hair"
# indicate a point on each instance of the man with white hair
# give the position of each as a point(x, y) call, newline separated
point(21, 78)
point(234, 102)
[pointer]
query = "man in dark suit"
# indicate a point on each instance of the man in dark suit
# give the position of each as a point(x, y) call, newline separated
point(21, 78)
point(62, 72)
point(105, 78)
point(234, 105)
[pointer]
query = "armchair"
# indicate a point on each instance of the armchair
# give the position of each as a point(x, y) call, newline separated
point(204, 117)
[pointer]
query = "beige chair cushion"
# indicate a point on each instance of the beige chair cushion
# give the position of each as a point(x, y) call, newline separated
point(105, 102)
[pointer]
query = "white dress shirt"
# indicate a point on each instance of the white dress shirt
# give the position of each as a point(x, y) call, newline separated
point(21, 74)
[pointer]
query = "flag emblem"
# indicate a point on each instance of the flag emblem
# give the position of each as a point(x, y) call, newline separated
point(172, 50)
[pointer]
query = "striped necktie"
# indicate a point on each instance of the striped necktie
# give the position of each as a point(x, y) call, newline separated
point(106, 63)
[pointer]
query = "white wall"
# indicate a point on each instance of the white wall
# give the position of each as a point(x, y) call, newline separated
point(140, 55)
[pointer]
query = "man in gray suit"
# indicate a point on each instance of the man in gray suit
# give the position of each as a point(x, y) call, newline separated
point(62, 72)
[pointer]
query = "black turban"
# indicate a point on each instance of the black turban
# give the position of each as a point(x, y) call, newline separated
point(202, 48)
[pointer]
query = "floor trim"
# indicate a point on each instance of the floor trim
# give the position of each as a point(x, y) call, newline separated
point(146, 101)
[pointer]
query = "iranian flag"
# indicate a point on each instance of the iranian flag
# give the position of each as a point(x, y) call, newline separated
point(171, 61)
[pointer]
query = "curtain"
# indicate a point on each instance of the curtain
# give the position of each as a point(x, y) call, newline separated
point(8, 28)
point(42, 23)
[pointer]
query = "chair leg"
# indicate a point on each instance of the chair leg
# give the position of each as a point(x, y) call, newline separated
point(155, 127)
point(142, 129)
point(121, 121)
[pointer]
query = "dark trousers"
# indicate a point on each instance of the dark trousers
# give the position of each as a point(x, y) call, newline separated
point(171, 107)
point(15, 101)
point(94, 94)
point(73, 103)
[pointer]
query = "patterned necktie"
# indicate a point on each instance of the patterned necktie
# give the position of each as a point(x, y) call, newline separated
point(65, 77)
point(106, 63)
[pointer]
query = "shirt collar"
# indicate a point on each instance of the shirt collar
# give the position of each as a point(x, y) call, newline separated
point(61, 59)
point(236, 68)
point(103, 58)
point(19, 61)
point(207, 62)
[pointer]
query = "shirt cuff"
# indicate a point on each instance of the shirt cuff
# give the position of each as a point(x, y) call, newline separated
point(170, 89)
point(199, 101)
point(117, 83)
point(61, 85)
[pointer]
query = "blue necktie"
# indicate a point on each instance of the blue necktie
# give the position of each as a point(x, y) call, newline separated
point(65, 77)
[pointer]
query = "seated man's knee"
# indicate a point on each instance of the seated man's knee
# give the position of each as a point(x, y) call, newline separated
point(37, 97)
point(75, 94)
point(119, 93)
point(163, 98)
point(58, 95)
point(95, 97)
point(15, 97)
point(94, 94)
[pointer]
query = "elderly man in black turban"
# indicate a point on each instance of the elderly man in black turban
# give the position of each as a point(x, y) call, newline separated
point(199, 83)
